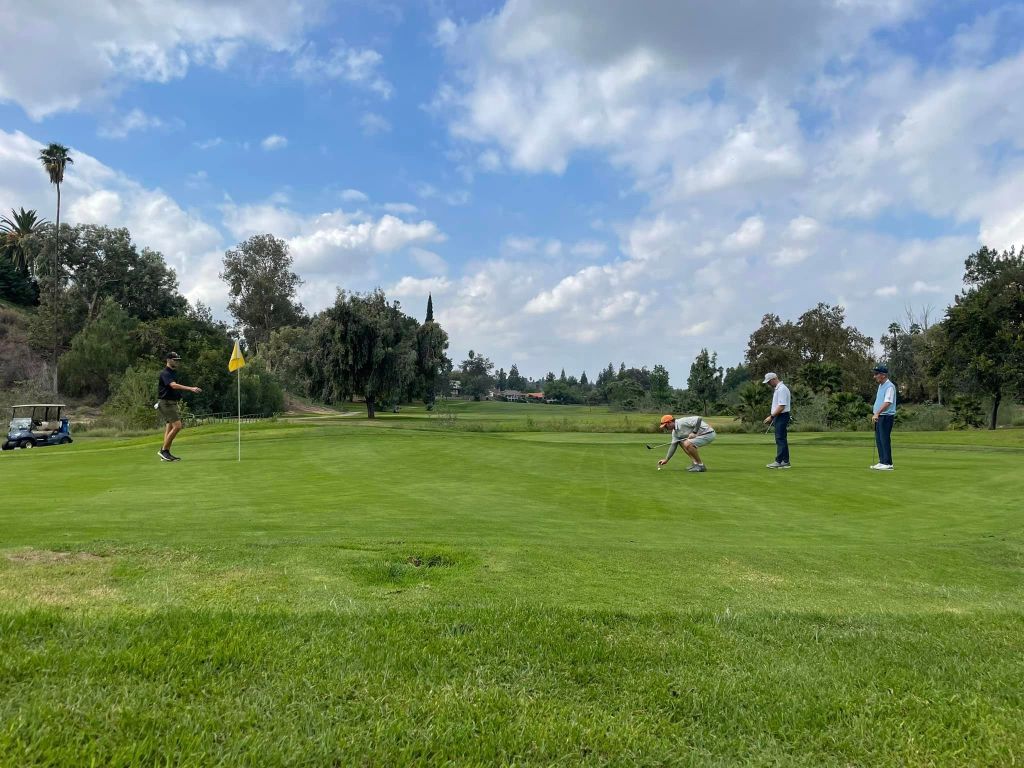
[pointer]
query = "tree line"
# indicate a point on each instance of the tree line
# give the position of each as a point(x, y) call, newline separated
point(105, 311)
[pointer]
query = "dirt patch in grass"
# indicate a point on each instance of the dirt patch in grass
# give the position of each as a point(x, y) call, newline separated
point(32, 577)
point(31, 556)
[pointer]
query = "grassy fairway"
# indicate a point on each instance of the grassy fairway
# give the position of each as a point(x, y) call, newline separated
point(394, 594)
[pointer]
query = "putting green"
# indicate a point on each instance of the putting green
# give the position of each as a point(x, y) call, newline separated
point(404, 592)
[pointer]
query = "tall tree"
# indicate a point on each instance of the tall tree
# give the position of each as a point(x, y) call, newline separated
point(705, 380)
point(660, 389)
point(55, 159)
point(819, 335)
point(14, 233)
point(430, 309)
point(982, 340)
point(515, 380)
point(365, 346)
point(431, 360)
point(262, 287)
point(475, 373)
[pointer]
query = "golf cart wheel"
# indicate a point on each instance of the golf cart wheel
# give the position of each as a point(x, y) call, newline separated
point(28, 444)
point(7, 447)
point(64, 441)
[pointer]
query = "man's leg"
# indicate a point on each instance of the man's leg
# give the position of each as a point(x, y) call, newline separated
point(171, 433)
point(781, 439)
point(885, 424)
point(691, 451)
point(878, 439)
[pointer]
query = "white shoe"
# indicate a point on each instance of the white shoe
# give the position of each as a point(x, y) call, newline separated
point(886, 467)
point(875, 466)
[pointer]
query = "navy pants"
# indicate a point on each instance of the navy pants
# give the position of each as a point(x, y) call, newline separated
point(781, 441)
point(883, 438)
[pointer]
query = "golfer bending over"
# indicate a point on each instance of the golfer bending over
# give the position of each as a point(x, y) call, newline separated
point(693, 433)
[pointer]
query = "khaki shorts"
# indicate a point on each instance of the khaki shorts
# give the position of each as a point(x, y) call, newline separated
point(702, 440)
point(169, 410)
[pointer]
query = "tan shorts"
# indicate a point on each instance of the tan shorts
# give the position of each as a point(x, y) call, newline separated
point(169, 410)
point(701, 440)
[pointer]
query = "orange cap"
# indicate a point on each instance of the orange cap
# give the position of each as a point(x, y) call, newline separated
point(666, 419)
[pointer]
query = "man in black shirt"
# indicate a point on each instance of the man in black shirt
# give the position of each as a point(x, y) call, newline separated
point(169, 393)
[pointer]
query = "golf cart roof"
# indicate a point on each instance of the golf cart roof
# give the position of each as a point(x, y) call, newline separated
point(40, 405)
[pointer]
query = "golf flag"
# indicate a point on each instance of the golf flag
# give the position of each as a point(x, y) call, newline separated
point(236, 361)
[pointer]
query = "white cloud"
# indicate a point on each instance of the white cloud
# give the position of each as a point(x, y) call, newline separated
point(133, 121)
point(335, 243)
point(428, 191)
point(920, 286)
point(412, 287)
point(592, 249)
point(274, 141)
point(428, 261)
point(353, 196)
point(446, 33)
point(489, 161)
point(209, 143)
point(358, 66)
point(749, 235)
point(887, 291)
point(402, 209)
point(373, 124)
point(802, 228)
point(788, 256)
point(89, 50)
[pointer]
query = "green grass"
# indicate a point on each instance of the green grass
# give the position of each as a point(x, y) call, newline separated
point(386, 595)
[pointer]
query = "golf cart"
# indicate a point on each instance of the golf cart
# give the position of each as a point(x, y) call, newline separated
point(28, 426)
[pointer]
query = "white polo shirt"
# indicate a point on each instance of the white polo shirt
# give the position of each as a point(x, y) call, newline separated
point(781, 397)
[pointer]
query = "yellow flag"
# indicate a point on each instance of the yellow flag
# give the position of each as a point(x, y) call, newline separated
point(236, 361)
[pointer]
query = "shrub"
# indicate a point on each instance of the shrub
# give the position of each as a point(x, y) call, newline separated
point(966, 412)
point(102, 349)
point(134, 392)
point(847, 410)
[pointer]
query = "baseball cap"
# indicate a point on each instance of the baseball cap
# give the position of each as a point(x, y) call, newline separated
point(769, 376)
point(172, 356)
point(880, 369)
point(666, 419)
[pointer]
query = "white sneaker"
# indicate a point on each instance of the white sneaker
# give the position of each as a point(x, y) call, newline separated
point(875, 466)
point(886, 467)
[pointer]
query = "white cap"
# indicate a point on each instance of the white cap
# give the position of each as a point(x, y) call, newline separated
point(768, 377)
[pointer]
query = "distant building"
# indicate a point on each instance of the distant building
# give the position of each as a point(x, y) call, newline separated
point(506, 395)
point(456, 388)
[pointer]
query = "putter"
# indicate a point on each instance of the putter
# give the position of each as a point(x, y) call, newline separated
point(770, 425)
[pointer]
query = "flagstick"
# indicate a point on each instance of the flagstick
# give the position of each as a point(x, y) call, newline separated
point(239, 374)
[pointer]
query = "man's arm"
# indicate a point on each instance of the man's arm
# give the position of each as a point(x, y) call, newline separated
point(194, 390)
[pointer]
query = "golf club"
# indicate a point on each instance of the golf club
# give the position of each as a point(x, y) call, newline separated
point(770, 425)
point(659, 445)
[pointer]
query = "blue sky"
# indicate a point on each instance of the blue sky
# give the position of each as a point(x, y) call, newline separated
point(577, 182)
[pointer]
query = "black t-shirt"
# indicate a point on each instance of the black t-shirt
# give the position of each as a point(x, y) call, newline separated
point(165, 390)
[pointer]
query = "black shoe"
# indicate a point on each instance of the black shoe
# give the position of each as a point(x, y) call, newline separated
point(164, 455)
point(173, 457)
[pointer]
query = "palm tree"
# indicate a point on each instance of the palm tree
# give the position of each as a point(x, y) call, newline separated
point(55, 158)
point(14, 230)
